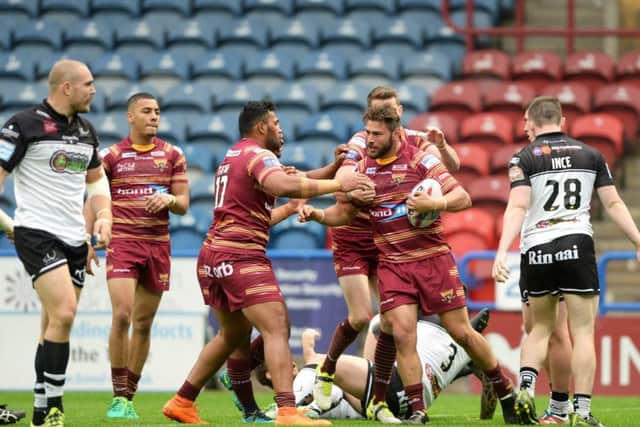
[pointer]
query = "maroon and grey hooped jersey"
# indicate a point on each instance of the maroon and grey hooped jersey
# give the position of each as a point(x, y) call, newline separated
point(394, 236)
point(242, 209)
point(134, 175)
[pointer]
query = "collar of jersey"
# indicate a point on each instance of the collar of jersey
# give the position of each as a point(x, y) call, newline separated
point(55, 115)
point(387, 160)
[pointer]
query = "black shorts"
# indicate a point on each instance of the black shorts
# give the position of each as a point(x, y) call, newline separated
point(41, 252)
point(396, 397)
point(566, 265)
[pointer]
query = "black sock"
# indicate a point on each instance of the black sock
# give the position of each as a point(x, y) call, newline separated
point(39, 395)
point(56, 357)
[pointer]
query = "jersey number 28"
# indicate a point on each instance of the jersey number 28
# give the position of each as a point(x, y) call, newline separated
point(571, 189)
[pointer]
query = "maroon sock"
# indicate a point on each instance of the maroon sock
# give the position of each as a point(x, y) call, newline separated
point(132, 384)
point(285, 399)
point(414, 395)
point(119, 381)
point(240, 376)
point(342, 337)
point(501, 384)
point(257, 352)
point(384, 357)
point(189, 391)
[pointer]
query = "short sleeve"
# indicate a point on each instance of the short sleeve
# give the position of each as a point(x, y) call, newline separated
point(12, 145)
point(262, 163)
point(603, 174)
point(518, 171)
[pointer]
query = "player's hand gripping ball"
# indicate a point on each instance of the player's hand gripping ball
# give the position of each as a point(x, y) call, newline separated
point(432, 188)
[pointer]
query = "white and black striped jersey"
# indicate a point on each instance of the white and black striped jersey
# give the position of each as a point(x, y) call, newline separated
point(49, 156)
point(562, 173)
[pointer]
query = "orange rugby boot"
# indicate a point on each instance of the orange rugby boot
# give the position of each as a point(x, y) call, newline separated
point(182, 410)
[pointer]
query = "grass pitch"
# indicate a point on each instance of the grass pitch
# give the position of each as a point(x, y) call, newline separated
point(87, 409)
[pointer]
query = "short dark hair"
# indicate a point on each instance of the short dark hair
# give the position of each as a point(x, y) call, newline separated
point(385, 114)
point(137, 96)
point(252, 113)
point(382, 93)
point(544, 110)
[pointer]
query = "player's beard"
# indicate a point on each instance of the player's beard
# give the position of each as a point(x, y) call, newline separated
point(274, 143)
point(384, 149)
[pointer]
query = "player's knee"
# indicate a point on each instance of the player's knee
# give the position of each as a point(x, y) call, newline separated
point(63, 317)
point(121, 319)
point(461, 335)
point(359, 321)
point(143, 326)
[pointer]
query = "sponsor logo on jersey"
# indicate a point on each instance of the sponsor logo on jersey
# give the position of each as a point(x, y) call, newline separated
point(388, 212)
point(126, 167)
point(550, 222)
point(128, 155)
point(399, 167)
point(65, 162)
point(371, 171)
point(398, 177)
point(9, 132)
point(6, 150)
point(270, 162)
point(430, 161)
point(541, 258)
point(49, 126)
point(157, 153)
point(233, 153)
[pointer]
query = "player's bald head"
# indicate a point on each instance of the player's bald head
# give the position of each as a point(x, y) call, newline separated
point(65, 70)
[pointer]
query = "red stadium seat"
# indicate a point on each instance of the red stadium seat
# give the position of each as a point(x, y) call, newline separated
point(519, 136)
point(574, 97)
point(489, 129)
point(459, 99)
point(623, 101)
point(490, 193)
point(499, 162)
point(509, 98)
point(628, 68)
point(593, 69)
point(489, 63)
point(536, 68)
point(474, 162)
point(472, 221)
point(602, 131)
point(447, 123)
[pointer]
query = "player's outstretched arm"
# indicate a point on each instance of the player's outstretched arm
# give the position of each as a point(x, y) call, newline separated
point(329, 171)
point(439, 147)
point(618, 211)
point(338, 214)
point(514, 214)
point(280, 184)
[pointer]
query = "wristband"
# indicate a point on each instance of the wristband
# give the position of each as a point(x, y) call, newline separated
point(103, 210)
point(172, 200)
point(444, 206)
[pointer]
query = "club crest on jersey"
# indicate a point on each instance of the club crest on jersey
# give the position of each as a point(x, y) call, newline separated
point(160, 164)
point(447, 296)
point(49, 126)
point(65, 162)
point(398, 177)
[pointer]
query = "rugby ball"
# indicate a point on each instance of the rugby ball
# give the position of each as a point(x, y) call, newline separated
point(433, 189)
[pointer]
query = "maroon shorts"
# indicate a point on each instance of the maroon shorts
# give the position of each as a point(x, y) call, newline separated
point(230, 282)
point(432, 283)
point(354, 255)
point(149, 263)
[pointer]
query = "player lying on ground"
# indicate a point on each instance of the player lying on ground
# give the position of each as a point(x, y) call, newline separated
point(352, 389)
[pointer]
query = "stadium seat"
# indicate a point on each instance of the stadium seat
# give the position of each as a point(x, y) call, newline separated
point(189, 98)
point(414, 100)
point(372, 69)
point(141, 39)
point(445, 122)
point(348, 100)
point(490, 7)
point(458, 99)
point(126, 9)
point(202, 190)
point(164, 70)
point(19, 96)
point(345, 37)
point(491, 130)
point(191, 38)
point(319, 9)
point(481, 19)
point(218, 6)
point(430, 70)
point(295, 37)
point(499, 162)
point(200, 157)
point(509, 99)
point(213, 128)
point(25, 8)
point(117, 100)
point(519, 135)
point(419, 5)
point(442, 38)
point(365, 9)
point(296, 155)
point(488, 63)
point(602, 131)
point(268, 70)
point(202, 213)
point(155, 9)
point(490, 193)
point(60, 11)
point(574, 97)
point(173, 128)
point(217, 70)
point(99, 102)
point(88, 40)
point(7, 196)
point(186, 239)
point(114, 70)
point(397, 39)
point(15, 69)
point(290, 234)
point(474, 162)
point(593, 69)
point(623, 101)
point(38, 38)
point(628, 68)
point(242, 37)
point(473, 221)
point(321, 69)
point(295, 102)
point(536, 68)
point(42, 65)
point(309, 154)
point(268, 11)
point(111, 127)
point(233, 98)
point(324, 127)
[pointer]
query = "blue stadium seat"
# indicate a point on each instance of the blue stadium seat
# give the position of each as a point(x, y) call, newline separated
point(111, 127)
point(42, 65)
point(173, 8)
point(268, 10)
point(7, 196)
point(242, 37)
point(202, 213)
point(186, 239)
point(187, 98)
point(321, 69)
point(324, 127)
point(372, 69)
point(414, 100)
point(217, 70)
point(88, 40)
point(290, 234)
point(16, 68)
point(372, 11)
point(419, 5)
point(268, 70)
point(214, 128)
point(296, 37)
point(164, 70)
point(347, 100)
point(203, 189)
point(490, 8)
point(295, 101)
point(40, 38)
point(173, 128)
point(5, 37)
point(346, 37)
point(233, 98)
point(444, 39)
point(190, 38)
point(126, 9)
point(199, 157)
point(114, 70)
point(181, 221)
point(320, 11)
point(308, 155)
point(25, 8)
point(428, 70)
point(218, 6)
point(98, 104)
point(117, 100)
point(398, 38)
point(19, 96)
point(140, 39)
point(64, 11)
point(481, 19)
